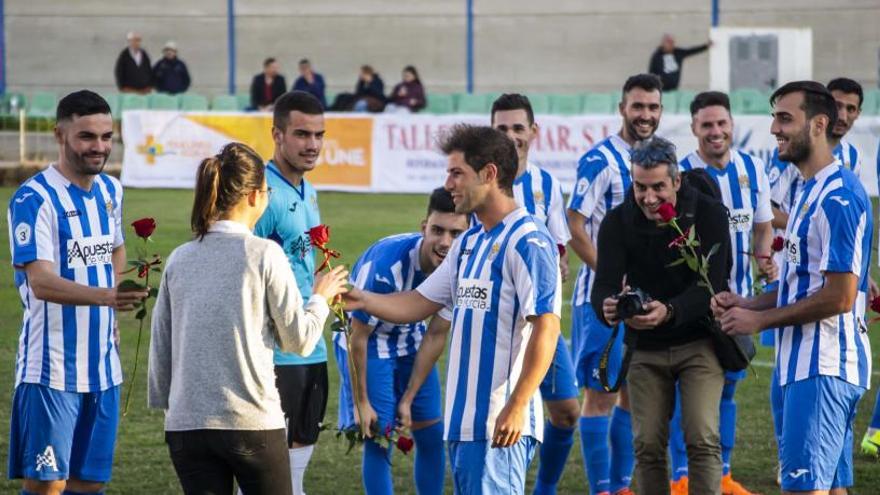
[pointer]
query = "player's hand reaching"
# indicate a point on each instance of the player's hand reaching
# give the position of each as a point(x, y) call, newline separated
point(125, 298)
point(354, 299)
point(331, 284)
point(365, 416)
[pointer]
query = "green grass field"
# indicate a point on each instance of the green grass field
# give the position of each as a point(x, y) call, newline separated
point(142, 465)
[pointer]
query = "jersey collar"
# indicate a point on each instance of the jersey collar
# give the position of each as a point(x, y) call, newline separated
point(301, 190)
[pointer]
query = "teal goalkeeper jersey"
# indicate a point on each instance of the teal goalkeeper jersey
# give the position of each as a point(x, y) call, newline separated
point(292, 211)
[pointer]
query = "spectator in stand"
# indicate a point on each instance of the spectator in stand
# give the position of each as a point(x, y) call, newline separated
point(133, 71)
point(369, 92)
point(267, 86)
point(170, 73)
point(409, 94)
point(310, 82)
point(667, 60)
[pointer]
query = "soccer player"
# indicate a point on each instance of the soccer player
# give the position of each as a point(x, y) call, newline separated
point(823, 356)
point(745, 191)
point(502, 281)
point(541, 195)
point(66, 238)
point(384, 353)
point(602, 181)
point(298, 132)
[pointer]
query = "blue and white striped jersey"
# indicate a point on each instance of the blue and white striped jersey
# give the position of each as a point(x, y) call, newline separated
point(65, 347)
point(493, 280)
point(849, 156)
point(388, 266)
point(829, 230)
point(786, 181)
point(603, 179)
point(541, 195)
point(745, 191)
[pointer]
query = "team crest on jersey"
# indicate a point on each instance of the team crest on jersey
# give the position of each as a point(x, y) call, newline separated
point(773, 176)
point(744, 182)
point(47, 460)
point(474, 294)
point(89, 251)
point(109, 206)
point(493, 251)
point(805, 209)
point(539, 196)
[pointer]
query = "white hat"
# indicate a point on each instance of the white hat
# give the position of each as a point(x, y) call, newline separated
point(170, 46)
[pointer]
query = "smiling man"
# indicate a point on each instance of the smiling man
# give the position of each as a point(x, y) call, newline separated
point(384, 353)
point(602, 181)
point(823, 356)
point(298, 132)
point(502, 281)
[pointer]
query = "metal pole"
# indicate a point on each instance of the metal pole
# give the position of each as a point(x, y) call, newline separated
point(2, 47)
point(230, 26)
point(22, 141)
point(715, 13)
point(470, 46)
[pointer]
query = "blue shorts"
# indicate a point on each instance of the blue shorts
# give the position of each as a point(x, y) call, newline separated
point(768, 337)
point(386, 382)
point(588, 338)
point(817, 433)
point(478, 469)
point(735, 376)
point(56, 435)
point(559, 382)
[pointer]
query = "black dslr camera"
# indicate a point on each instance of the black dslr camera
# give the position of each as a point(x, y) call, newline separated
point(632, 303)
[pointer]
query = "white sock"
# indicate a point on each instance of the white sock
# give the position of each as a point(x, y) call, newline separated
point(299, 461)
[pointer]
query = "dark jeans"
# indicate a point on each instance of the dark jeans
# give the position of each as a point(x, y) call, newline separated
point(207, 460)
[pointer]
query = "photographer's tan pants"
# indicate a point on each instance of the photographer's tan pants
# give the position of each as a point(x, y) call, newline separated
point(651, 381)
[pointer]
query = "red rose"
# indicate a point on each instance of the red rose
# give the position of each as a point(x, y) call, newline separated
point(405, 444)
point(320, 235)
point(778, 244)
point(667, 212)
point(144, 227)
point(875, 304)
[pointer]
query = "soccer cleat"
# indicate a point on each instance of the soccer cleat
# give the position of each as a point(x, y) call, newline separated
point(625, 491)
point(871, 442)
point(731, 487)
point(679, 486)
point(779, 475)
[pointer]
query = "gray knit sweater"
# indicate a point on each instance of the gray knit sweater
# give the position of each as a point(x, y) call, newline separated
point(223, 303)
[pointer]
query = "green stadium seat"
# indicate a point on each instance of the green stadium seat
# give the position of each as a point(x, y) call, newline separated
point(225, 103)
point(244, 100)
point(540, 103)
point(193, 102)
point(871, 103)
point(131, 101)
point(472, 103)
point(670, 101)
point(685, 98)
point(330, 97)
point(749, 102)
point(440, 104)
point(566, 104)
point(10, 103)
point(598, 103)
point(113, 100)
point(162, 101)
point(42, 104)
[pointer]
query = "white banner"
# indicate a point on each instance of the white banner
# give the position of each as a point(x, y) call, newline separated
point(398, 153)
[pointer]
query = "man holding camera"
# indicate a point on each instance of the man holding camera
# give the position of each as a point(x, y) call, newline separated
point(669, 335)
point(823, 356)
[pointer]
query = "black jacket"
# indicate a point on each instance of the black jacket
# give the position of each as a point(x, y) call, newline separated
point(671, 79)
point(171, 76)
point(131, 75)
point(629, 244)
point(257, 92)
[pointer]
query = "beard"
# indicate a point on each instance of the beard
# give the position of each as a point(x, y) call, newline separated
point(631, 128)
point(81, 164)
point(798, 147)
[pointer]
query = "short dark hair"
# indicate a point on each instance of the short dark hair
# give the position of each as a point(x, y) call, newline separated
point(710, 99)
point(304, 61)
point(268, 61)
point(650, 153)
point(299, 101)
point(817, 100)
point(848, 86)
point(513, 101)
point(481, 146)
point(441, 201)
point(647, 82)
point(79, 104)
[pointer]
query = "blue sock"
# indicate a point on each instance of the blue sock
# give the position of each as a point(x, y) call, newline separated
point(594, 447)
point(376, 469)
point(622, 455)
point(430, 462)
point(727, 424)
point(554, 452)
point(776, 406)
point(875, 419)
point(677, 447)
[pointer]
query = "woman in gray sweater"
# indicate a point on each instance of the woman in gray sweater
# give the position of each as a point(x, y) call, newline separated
point(225, 299)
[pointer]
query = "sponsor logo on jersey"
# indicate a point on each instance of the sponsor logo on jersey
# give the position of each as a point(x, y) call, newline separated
point(474, 294)
point(739, 220)
point(89, 251)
